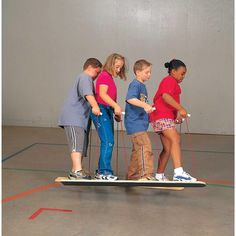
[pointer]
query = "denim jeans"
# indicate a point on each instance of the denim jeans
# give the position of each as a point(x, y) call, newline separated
point(105, 127)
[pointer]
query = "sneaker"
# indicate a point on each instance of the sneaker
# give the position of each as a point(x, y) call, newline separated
point(79, 174)
point(184, 177)
point(148, 178)
point(161, 178)
point(110, 177)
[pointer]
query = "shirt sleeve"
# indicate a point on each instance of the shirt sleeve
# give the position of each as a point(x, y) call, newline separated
point(168, 86)
point(85, 86)
point(133, 91)
point(104, 79)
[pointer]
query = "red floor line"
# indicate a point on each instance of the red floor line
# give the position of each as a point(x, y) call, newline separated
point(46, 209)
point(36, 214)
point(23, 194)
point(227, 182)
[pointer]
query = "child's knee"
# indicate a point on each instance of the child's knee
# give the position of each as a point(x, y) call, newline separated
point(110, 143)
point(178, 138)
point(175, 139)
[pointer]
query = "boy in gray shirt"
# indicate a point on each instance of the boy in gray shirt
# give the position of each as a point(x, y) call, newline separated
point(75, 116)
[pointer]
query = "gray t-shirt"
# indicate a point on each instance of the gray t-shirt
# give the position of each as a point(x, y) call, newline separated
point(76, 109)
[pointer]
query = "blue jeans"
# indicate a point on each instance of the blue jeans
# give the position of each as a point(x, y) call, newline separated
point(105, 127)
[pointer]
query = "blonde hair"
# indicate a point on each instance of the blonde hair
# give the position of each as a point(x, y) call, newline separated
point(110, 62)
point(140, 64)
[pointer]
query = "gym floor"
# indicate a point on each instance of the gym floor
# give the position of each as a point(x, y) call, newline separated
point(33, 204)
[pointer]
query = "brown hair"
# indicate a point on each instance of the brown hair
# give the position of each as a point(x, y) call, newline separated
point(109, 65)
point(94, 62)
point(140, 64)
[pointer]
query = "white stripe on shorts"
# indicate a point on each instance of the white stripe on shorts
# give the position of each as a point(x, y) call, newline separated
point(73, 139)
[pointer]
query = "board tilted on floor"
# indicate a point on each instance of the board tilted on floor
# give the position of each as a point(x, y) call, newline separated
point(129, 183)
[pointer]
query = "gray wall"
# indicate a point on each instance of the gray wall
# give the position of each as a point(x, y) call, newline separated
point(45, 43)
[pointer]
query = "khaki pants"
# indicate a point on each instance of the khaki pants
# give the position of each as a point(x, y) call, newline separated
point(141, 163)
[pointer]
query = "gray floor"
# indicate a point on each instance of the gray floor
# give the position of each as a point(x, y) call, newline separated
point(34, 157)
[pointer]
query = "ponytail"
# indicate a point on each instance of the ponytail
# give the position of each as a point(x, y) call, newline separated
point(174, 64)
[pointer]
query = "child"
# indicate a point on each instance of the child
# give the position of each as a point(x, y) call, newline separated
point(75, 116)
point(164, 120)
point(106, 94)
point(136, 123)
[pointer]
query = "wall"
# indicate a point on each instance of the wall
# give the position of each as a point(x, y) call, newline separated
point(45, 43)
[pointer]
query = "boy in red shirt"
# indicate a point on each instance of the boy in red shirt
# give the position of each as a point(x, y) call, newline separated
point(165, 118)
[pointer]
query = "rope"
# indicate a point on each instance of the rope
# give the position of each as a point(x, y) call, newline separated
point(124, 147)
point(96, 153)
point(158, 152)
point(90, 146)
point(117, 142)
point(192, 155)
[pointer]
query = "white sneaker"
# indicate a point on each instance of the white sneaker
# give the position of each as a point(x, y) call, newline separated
point(184, 177)
point(105, 177)
point(161, 178)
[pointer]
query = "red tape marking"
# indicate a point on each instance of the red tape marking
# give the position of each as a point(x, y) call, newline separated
point(40, 210)
point(23, 194)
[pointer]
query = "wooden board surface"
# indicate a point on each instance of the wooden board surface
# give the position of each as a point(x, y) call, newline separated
point(167, 188)
point(129, 183)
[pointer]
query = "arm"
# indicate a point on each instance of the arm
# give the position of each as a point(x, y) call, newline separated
point(171, 101)
point(94, 105)
point(106, 98)
point(85, 89)
point(138, 103)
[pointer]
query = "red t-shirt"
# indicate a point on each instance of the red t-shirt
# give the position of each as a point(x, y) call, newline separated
point(106, 79)
point(163, 110)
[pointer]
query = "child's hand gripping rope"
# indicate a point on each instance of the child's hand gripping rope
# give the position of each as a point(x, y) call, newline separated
point(123, 113)
point(180, 120)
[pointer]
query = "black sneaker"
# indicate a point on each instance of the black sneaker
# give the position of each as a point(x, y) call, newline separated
point(79, 174)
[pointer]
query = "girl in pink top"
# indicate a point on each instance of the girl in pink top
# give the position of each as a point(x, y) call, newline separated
point(106, 94)
point(165, 118)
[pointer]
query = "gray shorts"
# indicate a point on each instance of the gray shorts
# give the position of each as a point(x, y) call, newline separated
point(77, 139)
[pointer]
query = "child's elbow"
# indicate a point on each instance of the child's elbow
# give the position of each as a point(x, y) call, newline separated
point(163, 95)
point(102, 95)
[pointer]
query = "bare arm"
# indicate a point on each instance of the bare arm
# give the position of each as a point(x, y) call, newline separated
point(138, 103)
point(92, 101)
point(106, 98)
point(171, 101)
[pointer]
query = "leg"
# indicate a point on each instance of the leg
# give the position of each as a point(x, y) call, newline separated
point(165, 154)
point(104, 125)
point(132, 170)
point(148, 155)
point(144, 154)
point(75, 137)
point(174, 139)
point(76, 158)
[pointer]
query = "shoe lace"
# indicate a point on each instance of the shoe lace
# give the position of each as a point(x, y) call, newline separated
point(185, 173)
point(112, 176)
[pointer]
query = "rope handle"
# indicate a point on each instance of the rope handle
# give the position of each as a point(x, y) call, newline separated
point(123, 113)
